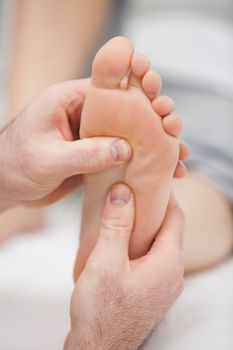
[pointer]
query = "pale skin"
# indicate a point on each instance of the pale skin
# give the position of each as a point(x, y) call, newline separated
point(99, 118)
point(43, 167)
point(48, 164)
point(117, 302)
point(208, 238)
point(196, 181)
point(26, 81)
point(130, 112)
point(48, 47)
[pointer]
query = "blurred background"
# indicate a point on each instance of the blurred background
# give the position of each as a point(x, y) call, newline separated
point(190, 42)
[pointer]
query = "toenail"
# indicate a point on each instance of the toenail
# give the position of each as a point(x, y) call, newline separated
point(120, 150)
point(120, 194)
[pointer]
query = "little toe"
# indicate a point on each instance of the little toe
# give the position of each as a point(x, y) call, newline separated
point(180, 170)
point(151, 84)
point(163, 105)
point(184, 151)
point(112, 63)
point(139, 66)
point(173, 124)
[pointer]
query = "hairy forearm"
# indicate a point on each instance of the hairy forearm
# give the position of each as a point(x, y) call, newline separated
point(89, 342)
point(121, 336)
point(117, 303)
point(113, 327)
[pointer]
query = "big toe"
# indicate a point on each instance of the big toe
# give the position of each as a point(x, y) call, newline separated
point(112, 63)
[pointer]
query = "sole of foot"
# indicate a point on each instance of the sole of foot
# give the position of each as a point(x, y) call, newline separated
point(123, 101)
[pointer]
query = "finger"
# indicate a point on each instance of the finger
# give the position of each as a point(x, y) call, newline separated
point(68, 95)
point(169, 238)
point(65, 101)
point(90, 155)
point(111, 250)
point(69, 88)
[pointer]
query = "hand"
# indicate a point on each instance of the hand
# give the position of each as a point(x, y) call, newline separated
point(117, 303)
point(41, 156)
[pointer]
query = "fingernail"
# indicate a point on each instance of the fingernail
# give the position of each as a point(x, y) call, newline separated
point(120, 150)
point(120, 194)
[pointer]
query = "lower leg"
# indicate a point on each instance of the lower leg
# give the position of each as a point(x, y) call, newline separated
point(30, 72)
point(208, 237)
point(19, 220)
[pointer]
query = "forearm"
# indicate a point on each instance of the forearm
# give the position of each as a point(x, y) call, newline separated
point(52, 40)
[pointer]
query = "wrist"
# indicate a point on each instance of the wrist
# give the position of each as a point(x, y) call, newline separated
point(90, 341)
point(77, 341)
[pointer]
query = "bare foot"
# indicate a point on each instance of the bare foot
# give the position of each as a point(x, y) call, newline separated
point(122, 102)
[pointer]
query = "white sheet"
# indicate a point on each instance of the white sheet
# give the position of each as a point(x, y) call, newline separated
point(36, 283)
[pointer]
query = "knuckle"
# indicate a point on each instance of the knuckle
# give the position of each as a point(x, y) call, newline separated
point(92, 148)
point(90, 158)
point(116, 224)
point(96, 266)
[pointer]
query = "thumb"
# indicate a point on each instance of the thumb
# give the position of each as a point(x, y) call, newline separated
point(111, 250)
point(92, 155)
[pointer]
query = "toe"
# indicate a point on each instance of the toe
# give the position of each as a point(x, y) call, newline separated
point(173, 124)
point(151, 84)
point(112, 63)
point(139, 66)
point(184, 151)
point(180, 170)
point(163, 105)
